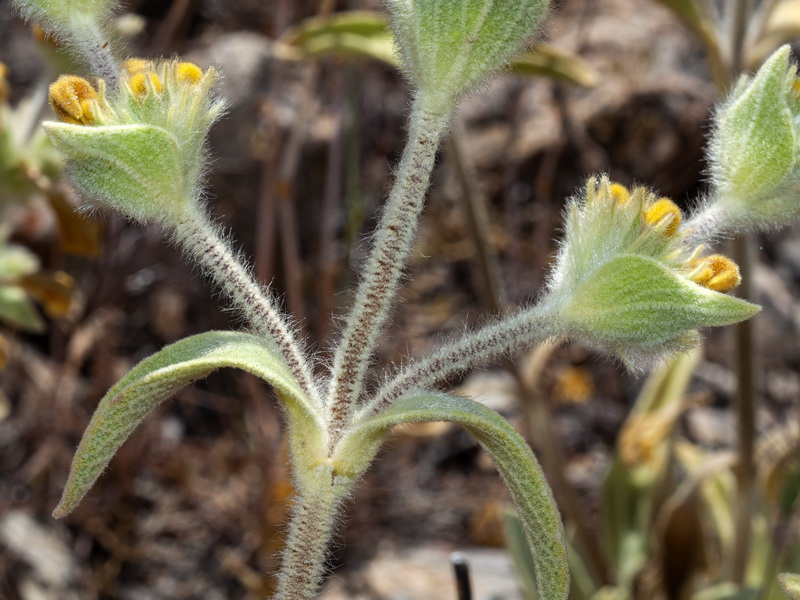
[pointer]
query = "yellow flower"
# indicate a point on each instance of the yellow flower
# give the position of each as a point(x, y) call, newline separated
point(72, 99)
point(663, 213)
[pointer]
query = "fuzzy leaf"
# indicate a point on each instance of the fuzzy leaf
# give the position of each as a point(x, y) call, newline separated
point(635, 303)
point(754, 146)
point(135, 169)
point(158, 377)
point(449, 46)
point(511, 454)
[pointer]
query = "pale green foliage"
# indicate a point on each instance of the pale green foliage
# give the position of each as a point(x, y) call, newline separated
point(16, 308)
point(143, 154)
point(512, 457)
point(450, 46)
point(367, 34)
point(623, 277)
point(622, 283)
point(640, 308)
point(134, 169)
point(158, 377)
point(755, 149)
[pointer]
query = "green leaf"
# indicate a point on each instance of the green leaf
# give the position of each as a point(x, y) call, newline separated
point(158, 377)
point(754, 146)
point(363, 23)
point(545, 60)
point(450, 46)
point(636, 304)
point(363, 33)
point(521, 557)
point(18, 311)
point(511, 454)
point(135, 169)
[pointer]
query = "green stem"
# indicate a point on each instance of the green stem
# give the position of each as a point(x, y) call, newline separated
point(310, 530)
point(524, 329)
point(202, 242)
point(392, 244)
point(95, 46)
point(746, 402)
point(747, 395)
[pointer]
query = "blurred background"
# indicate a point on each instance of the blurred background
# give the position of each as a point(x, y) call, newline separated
point(193, 504)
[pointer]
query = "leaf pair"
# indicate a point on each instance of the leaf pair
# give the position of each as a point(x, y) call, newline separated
point(159, 376)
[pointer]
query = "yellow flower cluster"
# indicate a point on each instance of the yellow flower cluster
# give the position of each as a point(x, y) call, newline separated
point(74, 100)
point(715, 272)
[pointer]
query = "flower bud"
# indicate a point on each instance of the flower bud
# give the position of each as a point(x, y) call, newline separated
point(72, 100)
point(755, 149)
point(665, 215)
point(450, 46)
point(625, 281)
point(140, 151)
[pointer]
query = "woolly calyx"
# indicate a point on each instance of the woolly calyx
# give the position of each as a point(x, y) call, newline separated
point(450, 46)
point(139, 150)
point(625, 281)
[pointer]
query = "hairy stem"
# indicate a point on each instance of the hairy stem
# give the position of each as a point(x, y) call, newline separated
point(95, 46)
point(202, 242)
point(524, 329)
point(392, 245)
point(310, 530)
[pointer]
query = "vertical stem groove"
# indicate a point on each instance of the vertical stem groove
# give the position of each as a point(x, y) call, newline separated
point(390, 250)
point(202, 242)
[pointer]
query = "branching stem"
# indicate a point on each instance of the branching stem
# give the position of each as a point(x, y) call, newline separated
point(524, 329)
point(392, 244)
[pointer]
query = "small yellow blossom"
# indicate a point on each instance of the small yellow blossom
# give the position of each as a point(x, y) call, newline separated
point(142, 83)
point(71, 98)
point(189, 73)
point(661, 210)
point(716, 272)
point(134, 66)
point(619, 193)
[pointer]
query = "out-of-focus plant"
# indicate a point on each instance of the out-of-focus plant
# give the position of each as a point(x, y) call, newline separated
point(632, 275)
point(668, 508)
point(368, 34)
point(28, 167)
